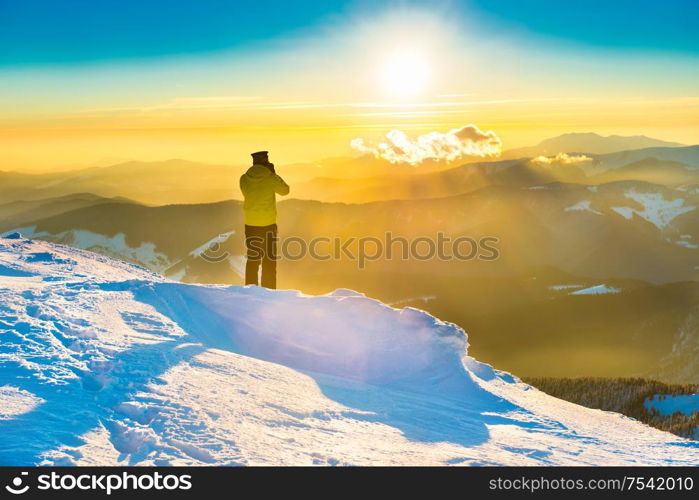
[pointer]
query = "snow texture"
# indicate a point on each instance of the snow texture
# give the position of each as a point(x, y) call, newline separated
point(583, 206)
point(115, 246)
point(654, 208)
point(106, 363)
point(596, 290)
point(564, 287)
point(212, 244)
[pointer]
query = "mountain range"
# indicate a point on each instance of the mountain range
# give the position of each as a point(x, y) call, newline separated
point(351, 180)
point(603, 251)
point(590, 143)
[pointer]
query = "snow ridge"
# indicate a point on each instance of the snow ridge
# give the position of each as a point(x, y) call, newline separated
point(106, 363)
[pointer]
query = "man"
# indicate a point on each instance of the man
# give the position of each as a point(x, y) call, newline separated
point(260, 185)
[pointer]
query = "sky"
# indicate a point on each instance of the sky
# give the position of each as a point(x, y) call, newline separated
point(84, 83)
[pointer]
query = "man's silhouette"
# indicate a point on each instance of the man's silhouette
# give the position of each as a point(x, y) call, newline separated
point(260, 185)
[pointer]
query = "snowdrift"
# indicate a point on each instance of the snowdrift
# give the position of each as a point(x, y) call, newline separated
point(106, 363)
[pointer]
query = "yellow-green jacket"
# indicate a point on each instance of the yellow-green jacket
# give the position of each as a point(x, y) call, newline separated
point(260, 186)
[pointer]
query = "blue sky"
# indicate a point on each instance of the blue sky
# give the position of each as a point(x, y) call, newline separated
point(634, 24)
point(69, 31)
point(49, 31)
point(83, 80)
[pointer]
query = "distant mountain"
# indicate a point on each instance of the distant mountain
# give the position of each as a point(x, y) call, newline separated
point(687, 155)
point(615, 230)
point(17, 212)
point(179, 181)
point(583, 266)
point(587, 143)
point(666, 166)
point(153, 237)
point(155, 183)
point(354, 180)
point(433, 184)
point(653, 170)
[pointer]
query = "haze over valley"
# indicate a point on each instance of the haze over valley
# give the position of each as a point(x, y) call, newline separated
point(597, 262)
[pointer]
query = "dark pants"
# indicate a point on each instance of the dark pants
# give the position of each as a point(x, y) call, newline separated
point(261, 245)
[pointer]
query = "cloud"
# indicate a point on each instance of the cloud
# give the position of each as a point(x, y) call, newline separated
point(467, 141)
point(562, 159)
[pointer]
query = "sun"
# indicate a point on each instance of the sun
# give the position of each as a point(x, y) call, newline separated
point(405, 74)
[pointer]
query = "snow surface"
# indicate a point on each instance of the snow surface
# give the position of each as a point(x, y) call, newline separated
point(655, 208)
point(212, 244)
point(237, 263)
point(684, 241)
point(668, 404)
point(115, 246)
point(103, 362)
point(625, 212)
point(564, 287)
point(15, 401)
point(686, 244)
point(583, 206)
point(596, 290)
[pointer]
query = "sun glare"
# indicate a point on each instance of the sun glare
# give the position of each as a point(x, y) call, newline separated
point(405, 74)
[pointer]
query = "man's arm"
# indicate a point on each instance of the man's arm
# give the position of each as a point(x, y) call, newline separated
point(280, 187)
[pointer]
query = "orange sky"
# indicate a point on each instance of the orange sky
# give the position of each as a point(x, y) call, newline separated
point(305, 97)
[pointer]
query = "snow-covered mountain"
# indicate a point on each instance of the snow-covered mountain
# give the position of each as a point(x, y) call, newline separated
point(617, 234)
point(589, 142)
point(103, 362)
point(620, 229)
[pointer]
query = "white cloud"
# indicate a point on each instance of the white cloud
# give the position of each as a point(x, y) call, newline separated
point(561, 158)
point(467, 141)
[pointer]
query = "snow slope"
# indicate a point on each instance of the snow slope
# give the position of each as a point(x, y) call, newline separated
point(596, 290)
point(114, 246)
point(656, 209)
point(102, 362)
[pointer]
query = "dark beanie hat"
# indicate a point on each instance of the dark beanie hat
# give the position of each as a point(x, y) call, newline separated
point(260, 157)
